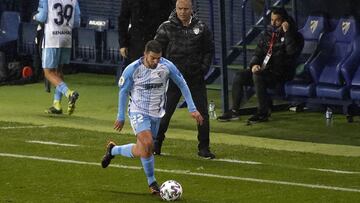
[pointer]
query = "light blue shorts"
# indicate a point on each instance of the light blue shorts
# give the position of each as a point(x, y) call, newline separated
point(141, 122)
point(53, 57)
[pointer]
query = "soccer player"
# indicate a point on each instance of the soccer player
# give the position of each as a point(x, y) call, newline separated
point(59, 17)
point(145, 81)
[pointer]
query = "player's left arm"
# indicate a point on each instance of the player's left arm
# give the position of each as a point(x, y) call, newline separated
point(42, 10)
point(179, 80)
point(77, 15)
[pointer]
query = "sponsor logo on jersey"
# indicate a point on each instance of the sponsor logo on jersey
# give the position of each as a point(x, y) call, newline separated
point(152, 86)
point(61, 32)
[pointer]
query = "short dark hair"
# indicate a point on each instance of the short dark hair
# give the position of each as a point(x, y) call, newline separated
point(153, 46)
point(280, 11)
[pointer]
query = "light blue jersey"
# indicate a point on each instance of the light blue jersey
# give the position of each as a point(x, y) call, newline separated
point(59, 17)
point(147, 88)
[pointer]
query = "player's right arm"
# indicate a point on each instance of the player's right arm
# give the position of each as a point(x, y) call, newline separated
point(125, 85)
point(42, 14)
point(77, 15)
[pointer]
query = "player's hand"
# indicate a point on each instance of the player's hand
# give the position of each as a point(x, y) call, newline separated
point(255, 68)
point(118, 125)
point(197, 116)
point(124, 52)
point(285, 26)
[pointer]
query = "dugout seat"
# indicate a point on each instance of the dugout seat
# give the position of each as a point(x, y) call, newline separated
point(111, 47)
point(326, 67)
point(9, 27)
point(84, 50)
point(355, 85)
point(26, 42)
point(302, 85)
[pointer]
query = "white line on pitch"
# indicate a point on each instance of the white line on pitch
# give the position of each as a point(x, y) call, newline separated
point(22, 127)
point(237, 161)
point(51, 143)
point(181, 172)
point(334, 171)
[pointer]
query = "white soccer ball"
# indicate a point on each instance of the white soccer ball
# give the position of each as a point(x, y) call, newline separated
point(171, 190)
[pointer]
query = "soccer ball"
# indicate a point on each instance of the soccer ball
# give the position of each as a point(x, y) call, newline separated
point(171, 190)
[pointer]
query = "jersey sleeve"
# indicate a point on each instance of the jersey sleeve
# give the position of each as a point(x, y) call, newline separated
point(42, 14)
point(125, 84)
point(77, 15)
point(179, 80)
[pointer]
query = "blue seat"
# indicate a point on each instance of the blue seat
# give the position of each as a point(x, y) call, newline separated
point(9, 27)
point(111, 47)
point(26, 42)
point(326, 67)
point(355, 85)
point(84, 50)
point(302, 86)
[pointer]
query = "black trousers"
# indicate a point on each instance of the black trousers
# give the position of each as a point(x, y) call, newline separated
point(199, 95)
point(242, 89)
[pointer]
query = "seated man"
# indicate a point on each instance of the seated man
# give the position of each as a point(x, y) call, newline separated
point(273, 64)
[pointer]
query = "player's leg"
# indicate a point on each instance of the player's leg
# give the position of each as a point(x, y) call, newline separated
point(142, 126)
point(72, 95)
point(50, 63)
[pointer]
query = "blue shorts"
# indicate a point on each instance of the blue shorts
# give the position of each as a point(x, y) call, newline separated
point(53, 57)
point(141, 122)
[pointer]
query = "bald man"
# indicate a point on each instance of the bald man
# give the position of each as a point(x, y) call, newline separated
point(188, 43)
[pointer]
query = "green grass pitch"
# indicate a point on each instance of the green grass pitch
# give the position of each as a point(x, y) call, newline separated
point(292, 158)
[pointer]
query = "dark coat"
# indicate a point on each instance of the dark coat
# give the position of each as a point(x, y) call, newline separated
point(190, 48)
point(286, 49)
point(145, 16)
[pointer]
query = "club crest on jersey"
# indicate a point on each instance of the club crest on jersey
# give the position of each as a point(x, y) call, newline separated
point(196, 30)
point(313, 25)
point(345, 27)
point(121, 81)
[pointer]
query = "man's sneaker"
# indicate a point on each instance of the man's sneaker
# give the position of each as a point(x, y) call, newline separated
point(107, 157)
point(229, 116)
point(72, 100)
point(257, 118)
point(154, 188)
point(53, 110)
point(205, 153)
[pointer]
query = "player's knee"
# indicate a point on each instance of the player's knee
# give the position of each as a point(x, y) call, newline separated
point(148, 149)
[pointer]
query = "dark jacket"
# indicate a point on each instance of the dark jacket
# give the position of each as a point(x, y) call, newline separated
point(286, 49)
point(189, 48)
point(145, 16)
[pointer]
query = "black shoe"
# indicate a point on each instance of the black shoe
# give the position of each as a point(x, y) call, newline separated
point(72, 100)
point(205, 153)
point(154, 188)
point(53, 110)
point(231, 115)
point(107, 157)
point(257, 118)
